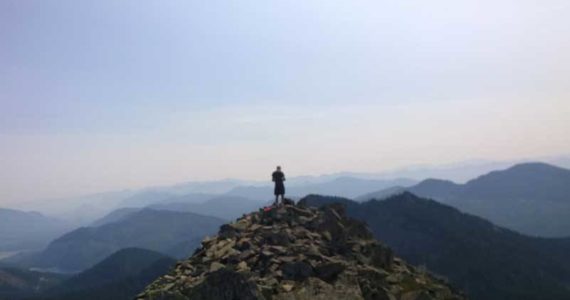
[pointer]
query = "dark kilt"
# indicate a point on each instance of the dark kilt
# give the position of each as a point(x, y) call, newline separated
point(279, 188)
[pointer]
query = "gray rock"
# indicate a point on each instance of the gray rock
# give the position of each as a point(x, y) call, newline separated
point(224, 285)
point(329, 271)
point(297, 271)
point(296, 253)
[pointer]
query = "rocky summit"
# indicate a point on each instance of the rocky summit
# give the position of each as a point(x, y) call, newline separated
point(296, 252)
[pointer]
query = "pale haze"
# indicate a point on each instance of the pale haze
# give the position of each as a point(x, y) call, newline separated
point(104, 95)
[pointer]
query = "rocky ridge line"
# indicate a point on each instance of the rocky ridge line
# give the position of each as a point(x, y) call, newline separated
point(296, 252)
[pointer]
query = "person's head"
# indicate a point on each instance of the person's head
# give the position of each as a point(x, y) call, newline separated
point(278, 168)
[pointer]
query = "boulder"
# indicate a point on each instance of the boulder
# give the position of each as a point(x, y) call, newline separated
point(297, 271)
point(329, 271)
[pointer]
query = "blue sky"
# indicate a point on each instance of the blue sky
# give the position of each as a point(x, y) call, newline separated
point(111, 94)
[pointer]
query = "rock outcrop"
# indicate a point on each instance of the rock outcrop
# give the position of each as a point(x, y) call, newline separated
point(296, 252)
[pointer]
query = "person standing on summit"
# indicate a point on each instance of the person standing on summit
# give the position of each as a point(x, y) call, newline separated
point(278, 178)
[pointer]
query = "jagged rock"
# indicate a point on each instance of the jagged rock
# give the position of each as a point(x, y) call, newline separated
point(276, 238)
point(228, 232)
point(297, 271)
point(242, 266)
point(287, 287)
point(223, 285)
point(329, 271)
point(294, 253)
point(288, 201)
point(216, 266)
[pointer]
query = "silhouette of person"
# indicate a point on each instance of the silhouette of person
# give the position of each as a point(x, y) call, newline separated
point(278, 178)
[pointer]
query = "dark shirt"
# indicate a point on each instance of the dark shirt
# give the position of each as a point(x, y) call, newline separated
point(278, 176)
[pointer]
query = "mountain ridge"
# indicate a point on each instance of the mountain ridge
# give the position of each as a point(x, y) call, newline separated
point(27, 230)
point(532, 198)
point(483, 259)
point(119, 276)
point(151, 229)
point(296, 252)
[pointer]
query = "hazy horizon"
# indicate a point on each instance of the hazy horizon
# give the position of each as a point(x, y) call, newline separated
point(106, 95)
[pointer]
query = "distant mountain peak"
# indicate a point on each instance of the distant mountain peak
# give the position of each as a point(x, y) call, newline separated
point(534, 166)
point(296, 252)
point(534, 169)
point(434, 181)
point(404, 196)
